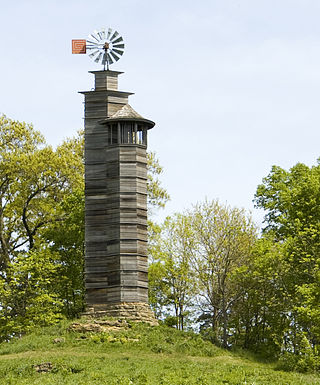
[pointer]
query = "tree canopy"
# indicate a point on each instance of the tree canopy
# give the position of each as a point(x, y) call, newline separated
point(291, 200)
point(209, 268)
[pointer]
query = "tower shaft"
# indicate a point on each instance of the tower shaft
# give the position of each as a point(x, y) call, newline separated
point(115, 197)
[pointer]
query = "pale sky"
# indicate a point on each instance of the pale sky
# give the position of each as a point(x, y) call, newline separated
point(233, 85)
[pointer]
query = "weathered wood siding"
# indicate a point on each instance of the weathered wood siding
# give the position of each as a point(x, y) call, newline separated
point(115, 204)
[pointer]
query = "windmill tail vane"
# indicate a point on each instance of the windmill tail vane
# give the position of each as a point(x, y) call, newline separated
point(103, 46)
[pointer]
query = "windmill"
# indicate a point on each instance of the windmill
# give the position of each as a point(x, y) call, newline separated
point(102, 46)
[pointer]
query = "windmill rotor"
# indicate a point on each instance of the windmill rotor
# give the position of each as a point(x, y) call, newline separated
point(105, 47)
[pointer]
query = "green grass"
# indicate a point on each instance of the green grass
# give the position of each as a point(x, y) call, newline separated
point(139, 355)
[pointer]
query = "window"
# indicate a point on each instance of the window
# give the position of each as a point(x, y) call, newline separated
point(113, 134)
point(127, 133)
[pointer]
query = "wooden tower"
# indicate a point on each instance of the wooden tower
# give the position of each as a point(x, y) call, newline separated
point(116, 276)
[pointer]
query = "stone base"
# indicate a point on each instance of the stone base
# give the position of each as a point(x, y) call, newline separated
point(137, 311)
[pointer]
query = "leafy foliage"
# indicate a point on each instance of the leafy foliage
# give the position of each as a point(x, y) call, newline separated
point(35, 183)
point(34, 178)
point(66, 240)
point(157, 195)
point(171, 277)
point(223, 238)
point(27, 299)
point(291, 200)
point(260, 316)
point(194, 262)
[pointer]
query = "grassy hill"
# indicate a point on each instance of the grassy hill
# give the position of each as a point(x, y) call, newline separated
point(131, 354)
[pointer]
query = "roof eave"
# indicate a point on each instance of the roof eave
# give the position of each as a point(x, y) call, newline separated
point(148, 122)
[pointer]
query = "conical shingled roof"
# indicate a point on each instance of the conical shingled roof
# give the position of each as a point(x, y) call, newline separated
point(126, 112)
point(129, 114)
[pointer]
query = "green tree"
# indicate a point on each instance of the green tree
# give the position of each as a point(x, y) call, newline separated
point(171, 276)
point(66, 240)
point(16, 139)
point(156, 271)
point(34, 178)
point(291, 199)
point(223, 239)
point(157, 195)
point(260, 318)
point(35, 183)
point(27, 298)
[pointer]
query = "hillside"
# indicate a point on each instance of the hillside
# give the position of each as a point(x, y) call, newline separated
point(123, 354)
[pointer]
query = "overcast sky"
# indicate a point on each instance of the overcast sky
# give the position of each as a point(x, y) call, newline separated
point(233, 85)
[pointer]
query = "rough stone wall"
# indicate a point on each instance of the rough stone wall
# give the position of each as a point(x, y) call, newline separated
point(139, 312)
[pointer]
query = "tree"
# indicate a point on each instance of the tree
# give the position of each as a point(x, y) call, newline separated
point(260, 319)
point(171, 277)
point(27, 298)
point(66, 240)
point(291, 200)
point(35, 181)
point(34, 178)
point(157, 195)
point(158, 289)
point(16, 139)
point(223, 240)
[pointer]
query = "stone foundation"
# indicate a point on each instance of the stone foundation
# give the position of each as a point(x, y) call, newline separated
point(138, 312)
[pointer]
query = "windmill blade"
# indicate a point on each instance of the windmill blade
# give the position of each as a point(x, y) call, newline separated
point(117, 51)
point(92, 42)
point(98, 57)
point(95, 38)
point(110, 61)
point(118, 40)
point(93, 54)
point(114, 36)
point(97, 34)
point(109, 33)
point(118, 46)
point(116, 58)
point(102, 34)
point(95, 46)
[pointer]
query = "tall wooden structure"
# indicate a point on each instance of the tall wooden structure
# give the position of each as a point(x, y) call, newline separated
point(115, 201)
